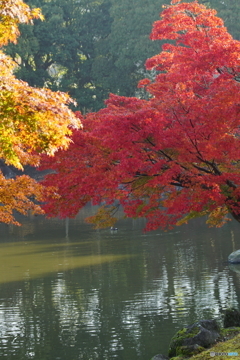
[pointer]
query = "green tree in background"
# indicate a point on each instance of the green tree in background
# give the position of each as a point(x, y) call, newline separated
point(91, 48)
point(120, 60)
point(87, 48)
point(59, 52)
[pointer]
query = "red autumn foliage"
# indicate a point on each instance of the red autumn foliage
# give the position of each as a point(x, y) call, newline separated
point(172, 157)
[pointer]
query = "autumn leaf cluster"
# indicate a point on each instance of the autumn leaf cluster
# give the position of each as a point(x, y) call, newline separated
point(32, 121)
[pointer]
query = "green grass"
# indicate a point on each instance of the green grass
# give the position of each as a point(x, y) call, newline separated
point(231, 345)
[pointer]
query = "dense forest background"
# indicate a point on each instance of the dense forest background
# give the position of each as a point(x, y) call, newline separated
point(89, 48)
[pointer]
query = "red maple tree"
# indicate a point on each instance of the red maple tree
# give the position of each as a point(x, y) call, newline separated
point(173, 157)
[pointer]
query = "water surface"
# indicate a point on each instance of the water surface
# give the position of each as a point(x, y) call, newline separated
point(87, 294)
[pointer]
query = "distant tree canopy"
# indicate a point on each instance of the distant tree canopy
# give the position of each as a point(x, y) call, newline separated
point(89, 48)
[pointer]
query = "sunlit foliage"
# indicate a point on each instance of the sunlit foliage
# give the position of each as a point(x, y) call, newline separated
point(32, 120)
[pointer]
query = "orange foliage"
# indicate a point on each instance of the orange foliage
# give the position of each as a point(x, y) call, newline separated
point(32, 121)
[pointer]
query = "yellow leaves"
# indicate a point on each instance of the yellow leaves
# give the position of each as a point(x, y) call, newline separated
point(7, 65)
point(15, 194)
point(141, 181)
point(13, 12)
point(103, 218)
point(218, 217)
point(6, 149)
point(36, 14)
point(191, 215)
point(32, 121)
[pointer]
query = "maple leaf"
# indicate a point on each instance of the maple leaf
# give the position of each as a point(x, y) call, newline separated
point(32, 121)
point(172, 157)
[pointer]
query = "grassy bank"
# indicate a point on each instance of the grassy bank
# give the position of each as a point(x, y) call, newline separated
point(228, 346)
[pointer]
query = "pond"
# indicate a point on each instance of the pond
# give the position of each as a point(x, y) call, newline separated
point(69, 292)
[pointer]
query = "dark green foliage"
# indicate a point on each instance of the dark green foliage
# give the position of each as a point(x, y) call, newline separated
point(231, 318)
point(87, 48)
point(122, 55)
point(91, 48)
point(59, 52)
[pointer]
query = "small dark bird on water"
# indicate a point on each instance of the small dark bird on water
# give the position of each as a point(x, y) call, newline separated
point(113, 228)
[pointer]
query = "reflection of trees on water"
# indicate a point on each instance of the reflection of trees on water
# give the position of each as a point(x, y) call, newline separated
point(128, 309)
point(53, 316)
